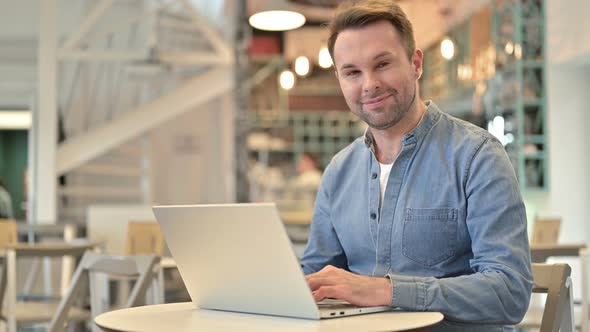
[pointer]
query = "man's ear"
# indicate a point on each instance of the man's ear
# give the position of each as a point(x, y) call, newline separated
point(335, 72)
point(417, 62)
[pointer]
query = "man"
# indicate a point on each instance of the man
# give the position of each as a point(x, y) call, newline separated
point(304, 187)
point(5, 201)
point(424, 211)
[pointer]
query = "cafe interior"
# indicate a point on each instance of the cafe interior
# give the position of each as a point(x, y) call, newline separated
point(110, 107)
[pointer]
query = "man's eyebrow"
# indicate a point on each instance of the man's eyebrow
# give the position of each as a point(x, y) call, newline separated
point(350, 65)
point(347, 65)
point(384, 53)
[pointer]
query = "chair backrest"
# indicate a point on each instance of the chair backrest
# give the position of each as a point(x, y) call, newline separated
point(546, 231)
point(139, 267)
point(144, 238)
point(8, 232)
point(8, 236)
point(27, 310)
point(554, 279)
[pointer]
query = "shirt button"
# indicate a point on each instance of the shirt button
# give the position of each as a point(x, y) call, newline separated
point(374, 175)
point(373, 215)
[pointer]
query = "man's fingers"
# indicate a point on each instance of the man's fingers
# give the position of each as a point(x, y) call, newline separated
point(318, 281)
point(331, 282)
point(336, 283)
point(325, 292)
point(326, 271)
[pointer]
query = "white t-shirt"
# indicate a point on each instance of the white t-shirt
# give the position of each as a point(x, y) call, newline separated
point(383, 176)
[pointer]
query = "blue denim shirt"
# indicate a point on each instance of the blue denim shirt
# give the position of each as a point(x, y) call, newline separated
point(451, 234)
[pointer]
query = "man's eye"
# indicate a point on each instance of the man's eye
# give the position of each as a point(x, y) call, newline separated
point(352, 73)
point(382, 64)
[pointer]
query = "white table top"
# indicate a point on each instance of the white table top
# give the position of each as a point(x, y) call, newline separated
point(185, 317)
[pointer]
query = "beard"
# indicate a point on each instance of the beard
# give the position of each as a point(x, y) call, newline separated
point(388, 116)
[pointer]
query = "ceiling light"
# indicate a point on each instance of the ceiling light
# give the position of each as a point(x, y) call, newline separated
point(324, 58)
point(464, 72)
point(276, 16)
point(518, 51)
point(447, 48)
point(287, 80)
point(15, 119)
point(302, 65)
point(509, 48)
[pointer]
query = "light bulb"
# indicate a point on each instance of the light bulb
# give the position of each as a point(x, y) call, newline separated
point(447, 48)
point(302, 65)
point(287, 79)
point(509, 48)
point(518, 51)
point(324, 58)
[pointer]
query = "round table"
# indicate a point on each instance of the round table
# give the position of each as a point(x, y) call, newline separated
point(186, 317)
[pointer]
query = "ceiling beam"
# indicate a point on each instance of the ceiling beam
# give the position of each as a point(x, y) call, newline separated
point(97, 12)
point(193, 59)
point(219, 44)
point(74, 55)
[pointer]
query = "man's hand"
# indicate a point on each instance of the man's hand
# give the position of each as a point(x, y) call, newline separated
point(332, 282)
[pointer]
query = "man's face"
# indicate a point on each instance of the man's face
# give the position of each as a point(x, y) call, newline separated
point(376, 77)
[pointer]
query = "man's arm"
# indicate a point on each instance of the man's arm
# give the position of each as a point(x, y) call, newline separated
point(323, 246)
point(499, 289)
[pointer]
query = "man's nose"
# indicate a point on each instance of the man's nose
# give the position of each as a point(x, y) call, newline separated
point(371, 84)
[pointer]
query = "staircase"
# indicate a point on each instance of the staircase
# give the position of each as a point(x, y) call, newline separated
point(108, 108)
point(120, 176)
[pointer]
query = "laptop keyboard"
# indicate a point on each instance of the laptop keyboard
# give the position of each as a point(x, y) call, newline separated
point(332, 304)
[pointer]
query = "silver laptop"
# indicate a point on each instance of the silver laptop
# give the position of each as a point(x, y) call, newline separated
point(237, 257)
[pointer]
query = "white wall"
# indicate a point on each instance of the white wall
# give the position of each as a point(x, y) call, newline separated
point(568, 120)
point(188, 162)
point(568, 84)
point(568, 148)
point(568, 30)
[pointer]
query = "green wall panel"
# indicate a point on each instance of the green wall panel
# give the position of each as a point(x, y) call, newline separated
point(13, 161)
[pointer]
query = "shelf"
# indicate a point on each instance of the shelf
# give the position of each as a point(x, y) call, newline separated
point(533, 64)
point(283, 150)
point(526, 104)
point(536, 156)
point(538, 102)
point(321, 133)
point(526, 64)
point(534, 139)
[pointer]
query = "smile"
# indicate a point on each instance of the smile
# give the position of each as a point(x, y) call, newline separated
point(375, 102)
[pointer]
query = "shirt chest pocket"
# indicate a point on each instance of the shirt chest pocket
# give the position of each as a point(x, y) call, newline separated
point(429, 235)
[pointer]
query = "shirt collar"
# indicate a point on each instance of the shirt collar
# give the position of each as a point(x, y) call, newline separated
point(429, 118)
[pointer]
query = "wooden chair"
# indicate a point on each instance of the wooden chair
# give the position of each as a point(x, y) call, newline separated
point(8, 236)
point(8, 232)
point(557, 314)
point(546, 231)
point(144, 238)
point(545, 235)
point(90, 276)
point(33, 312)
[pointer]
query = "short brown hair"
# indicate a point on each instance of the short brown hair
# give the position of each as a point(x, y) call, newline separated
point(362, 13)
